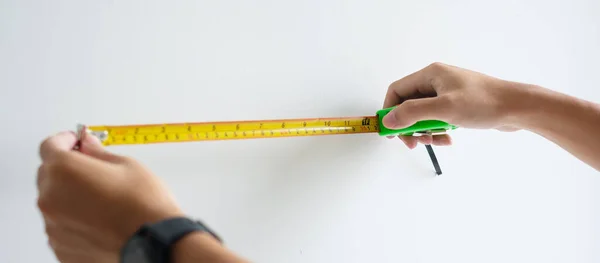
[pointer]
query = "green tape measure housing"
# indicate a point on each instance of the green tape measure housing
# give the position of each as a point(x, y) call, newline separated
point(424, 126)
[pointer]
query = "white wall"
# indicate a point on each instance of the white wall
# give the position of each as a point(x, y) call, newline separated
point(502, 197)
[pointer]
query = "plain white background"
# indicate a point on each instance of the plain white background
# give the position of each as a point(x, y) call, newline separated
point(503, 197)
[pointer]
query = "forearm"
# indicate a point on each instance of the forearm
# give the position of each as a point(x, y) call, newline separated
point(201, 247)
point(570, 122)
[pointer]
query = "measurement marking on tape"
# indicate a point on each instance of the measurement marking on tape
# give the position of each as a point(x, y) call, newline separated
point(185, 132)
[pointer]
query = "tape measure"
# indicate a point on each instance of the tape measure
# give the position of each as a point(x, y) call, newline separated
point(231, 130)
point(210, 131)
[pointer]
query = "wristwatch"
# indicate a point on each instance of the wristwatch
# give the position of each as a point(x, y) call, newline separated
point(152, 242)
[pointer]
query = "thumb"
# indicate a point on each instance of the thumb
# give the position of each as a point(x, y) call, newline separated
point(91, 146)
point(62, 142)
point(412, 111)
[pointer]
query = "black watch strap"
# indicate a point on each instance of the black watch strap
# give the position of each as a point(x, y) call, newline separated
point(169, 231)
point(164, 234)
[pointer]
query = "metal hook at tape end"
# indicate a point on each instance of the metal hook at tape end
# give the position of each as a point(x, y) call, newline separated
point(82, 130)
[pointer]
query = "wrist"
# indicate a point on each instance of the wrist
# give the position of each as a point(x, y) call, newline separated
point(147, 216)
point(534, 107)
point(178, 240)
point(522, 104)
point(200, 247)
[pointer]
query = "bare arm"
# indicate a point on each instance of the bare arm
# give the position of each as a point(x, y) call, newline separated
point(572, 123)
point(473, 100)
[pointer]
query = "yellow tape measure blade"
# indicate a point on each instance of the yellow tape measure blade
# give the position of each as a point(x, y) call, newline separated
point(207, 131)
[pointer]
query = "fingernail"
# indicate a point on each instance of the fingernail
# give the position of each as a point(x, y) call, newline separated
point(389, 120)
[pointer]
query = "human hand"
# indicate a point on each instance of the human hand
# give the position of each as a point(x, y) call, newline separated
point(92, 201)
point(457, 96)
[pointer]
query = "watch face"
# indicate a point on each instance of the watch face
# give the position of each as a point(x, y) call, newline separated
point(137, 250)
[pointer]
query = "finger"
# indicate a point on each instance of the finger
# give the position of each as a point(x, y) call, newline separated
point(41, 175)
point(61, 142)
point(410, 141)
point(91, 146)
point(425, 139)
point(442, 140)
point(411, 111)
point(404, 88)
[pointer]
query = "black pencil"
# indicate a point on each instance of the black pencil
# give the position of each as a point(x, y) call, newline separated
point(434, 160)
